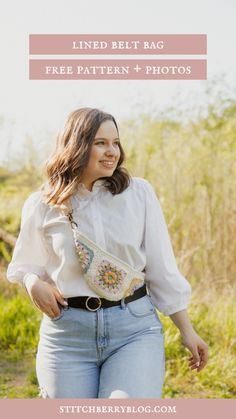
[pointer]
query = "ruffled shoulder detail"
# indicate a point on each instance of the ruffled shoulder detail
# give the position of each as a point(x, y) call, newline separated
point(34, 206)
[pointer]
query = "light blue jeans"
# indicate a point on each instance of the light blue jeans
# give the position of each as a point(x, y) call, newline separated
point(116, 352)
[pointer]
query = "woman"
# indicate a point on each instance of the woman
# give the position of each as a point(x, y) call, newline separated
point(100, 347)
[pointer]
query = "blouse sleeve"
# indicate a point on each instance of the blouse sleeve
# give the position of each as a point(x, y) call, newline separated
point(30, 254)
point(169, 290)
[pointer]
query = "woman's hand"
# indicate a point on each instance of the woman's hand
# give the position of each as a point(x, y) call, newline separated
point(191, 340)
point(198, 348)
point(45, 296)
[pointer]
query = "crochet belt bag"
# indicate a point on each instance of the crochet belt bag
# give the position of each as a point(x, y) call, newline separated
point(107, 275)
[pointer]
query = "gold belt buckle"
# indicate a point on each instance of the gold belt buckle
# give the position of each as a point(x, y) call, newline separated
point(93, 309)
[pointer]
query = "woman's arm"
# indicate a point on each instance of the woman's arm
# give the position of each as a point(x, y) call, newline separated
point(191, 340)
point(169, 290)
point(30, 258)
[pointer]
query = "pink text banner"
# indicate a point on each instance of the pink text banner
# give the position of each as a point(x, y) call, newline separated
point(117, 69)
point(117, 44)
point(119, 408)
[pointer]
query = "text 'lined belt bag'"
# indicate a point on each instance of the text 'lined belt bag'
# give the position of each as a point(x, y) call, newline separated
point(107, 275)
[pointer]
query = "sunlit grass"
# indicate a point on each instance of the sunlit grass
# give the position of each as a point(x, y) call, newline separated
point(215, 322)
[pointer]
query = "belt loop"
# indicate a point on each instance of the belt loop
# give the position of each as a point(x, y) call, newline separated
point(123, 304)
point(66, 306)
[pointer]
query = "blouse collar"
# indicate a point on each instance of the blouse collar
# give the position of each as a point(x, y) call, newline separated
point(83, 192)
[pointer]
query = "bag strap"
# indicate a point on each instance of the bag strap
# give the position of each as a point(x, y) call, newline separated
point(67, 210)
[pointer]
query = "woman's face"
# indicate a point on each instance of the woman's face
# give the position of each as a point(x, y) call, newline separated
point(104, 154)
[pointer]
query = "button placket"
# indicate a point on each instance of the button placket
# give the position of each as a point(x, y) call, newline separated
point(98, 227)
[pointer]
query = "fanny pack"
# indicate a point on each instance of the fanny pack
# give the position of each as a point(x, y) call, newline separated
point(105, 274)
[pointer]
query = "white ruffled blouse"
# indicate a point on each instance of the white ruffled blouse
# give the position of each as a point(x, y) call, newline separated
point(129, 225)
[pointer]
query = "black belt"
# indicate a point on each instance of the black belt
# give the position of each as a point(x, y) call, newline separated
point(95, 303)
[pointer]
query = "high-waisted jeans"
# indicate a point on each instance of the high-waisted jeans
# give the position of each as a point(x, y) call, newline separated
point(116, 352)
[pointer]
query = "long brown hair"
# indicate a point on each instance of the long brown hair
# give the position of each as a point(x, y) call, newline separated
point(66, 164)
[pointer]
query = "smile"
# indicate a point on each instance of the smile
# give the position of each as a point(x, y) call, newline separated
point(107, 163)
